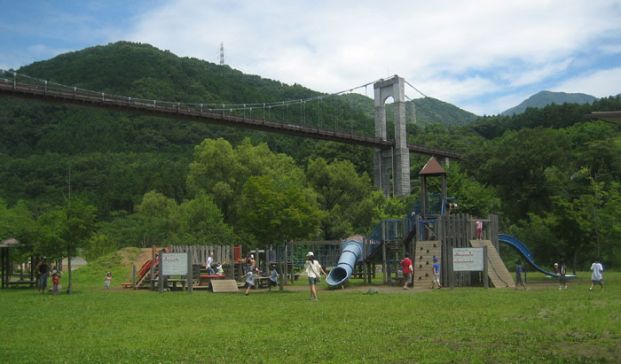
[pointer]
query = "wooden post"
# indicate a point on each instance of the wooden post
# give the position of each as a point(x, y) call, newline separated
point(152, 268)
point(161, 276)
point(190, 275)
point(285, 271)
point(134, 275)
point(384, 267)
point(451, 274)
point(485, 268)
point(281, 281)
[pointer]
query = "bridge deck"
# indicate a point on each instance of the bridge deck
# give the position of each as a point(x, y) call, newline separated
point(194, 112)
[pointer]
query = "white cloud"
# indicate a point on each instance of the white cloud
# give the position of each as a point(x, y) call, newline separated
point(330, 45)
point(536, 74)
point(600, 83)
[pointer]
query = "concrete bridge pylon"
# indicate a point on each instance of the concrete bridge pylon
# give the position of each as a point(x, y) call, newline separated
point(391, 167)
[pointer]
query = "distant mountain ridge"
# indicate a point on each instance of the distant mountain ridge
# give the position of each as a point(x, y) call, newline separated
point(545, 98)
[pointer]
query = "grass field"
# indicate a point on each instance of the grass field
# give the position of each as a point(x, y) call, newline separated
point(465, 325)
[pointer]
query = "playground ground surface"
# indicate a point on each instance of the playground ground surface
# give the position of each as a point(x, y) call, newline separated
point(463, 325)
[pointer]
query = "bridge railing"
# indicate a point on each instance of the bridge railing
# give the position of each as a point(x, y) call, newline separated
point(259, 115)
point(295, 113)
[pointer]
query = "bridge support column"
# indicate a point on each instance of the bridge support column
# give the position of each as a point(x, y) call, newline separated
point(393, 178)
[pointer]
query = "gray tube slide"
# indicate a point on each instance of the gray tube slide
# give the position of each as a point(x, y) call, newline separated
point(351, 249)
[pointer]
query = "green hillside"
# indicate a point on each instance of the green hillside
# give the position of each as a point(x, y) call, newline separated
point(434, 111)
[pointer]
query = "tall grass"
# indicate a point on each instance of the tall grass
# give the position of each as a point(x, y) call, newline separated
point(462, 325)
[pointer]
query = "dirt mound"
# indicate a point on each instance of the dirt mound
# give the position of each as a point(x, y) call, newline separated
point(137, 256)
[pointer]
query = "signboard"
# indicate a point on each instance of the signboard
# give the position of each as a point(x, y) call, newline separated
point(174, 264)
point(468, 260)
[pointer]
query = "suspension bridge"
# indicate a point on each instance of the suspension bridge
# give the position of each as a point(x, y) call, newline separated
point(300, 117)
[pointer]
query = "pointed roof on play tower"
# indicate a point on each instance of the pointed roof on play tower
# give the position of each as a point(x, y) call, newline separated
point(432, 168)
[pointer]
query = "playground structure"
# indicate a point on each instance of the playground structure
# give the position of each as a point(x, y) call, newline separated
point(432, 229)
point(148, 275)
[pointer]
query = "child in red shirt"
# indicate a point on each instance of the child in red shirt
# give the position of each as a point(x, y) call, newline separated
point(406, 267)
point(55, 281)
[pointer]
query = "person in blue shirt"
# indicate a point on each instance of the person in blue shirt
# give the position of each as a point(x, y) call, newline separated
point(436, 273)
point(518, 275)
point(273, 282)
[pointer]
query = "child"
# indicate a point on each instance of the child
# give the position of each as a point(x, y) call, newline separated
point(249, 280)
point(436, 273)
point(562, 271)
point(273, 282)
point(55, 281)
point(108, 280)
point(597, 275)
point(518, 275)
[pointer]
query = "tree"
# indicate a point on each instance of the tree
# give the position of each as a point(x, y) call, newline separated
point(200, 222)
point(276, 208)
point(155, 214)
point(66, 229)
point(344, 195)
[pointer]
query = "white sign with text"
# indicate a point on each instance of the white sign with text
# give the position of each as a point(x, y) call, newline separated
point(174, 264)
point(468, 260)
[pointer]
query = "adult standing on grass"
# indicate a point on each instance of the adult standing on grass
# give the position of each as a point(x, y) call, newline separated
point(43, 268)
point(313, 270)
point(406, 268)
point(597, 274)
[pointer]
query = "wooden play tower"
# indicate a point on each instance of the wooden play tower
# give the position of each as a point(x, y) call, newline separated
point(437, 229)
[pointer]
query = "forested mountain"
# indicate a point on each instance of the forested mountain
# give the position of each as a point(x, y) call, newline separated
point(434, 111)
point(551, 173)
point(545, 98)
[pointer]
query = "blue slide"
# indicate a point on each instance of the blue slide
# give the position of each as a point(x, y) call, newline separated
point(523, 250)
point(351, 251)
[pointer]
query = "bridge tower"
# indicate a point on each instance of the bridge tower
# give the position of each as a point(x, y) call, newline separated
point(391, 167)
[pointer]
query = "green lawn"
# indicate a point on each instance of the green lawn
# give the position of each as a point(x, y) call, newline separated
point(462, 325)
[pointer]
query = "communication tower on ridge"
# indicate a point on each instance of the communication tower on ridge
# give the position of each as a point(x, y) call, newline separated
point(221, 53)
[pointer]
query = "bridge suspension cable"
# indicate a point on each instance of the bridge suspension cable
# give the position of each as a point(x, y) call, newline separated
point(12, 83)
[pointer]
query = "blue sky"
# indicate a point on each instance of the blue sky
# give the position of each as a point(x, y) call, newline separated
point(481, 55)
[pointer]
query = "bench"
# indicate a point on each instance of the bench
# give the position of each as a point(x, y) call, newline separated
point(22, 282)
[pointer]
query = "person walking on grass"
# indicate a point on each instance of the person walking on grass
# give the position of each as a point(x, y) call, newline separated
point(519, 269)
point(562, 275)
point(407, 269)
point(107, 280)
point(273, 282)
point(250, 280)
point(597, 274)
point(313, 270)
point(436, 273)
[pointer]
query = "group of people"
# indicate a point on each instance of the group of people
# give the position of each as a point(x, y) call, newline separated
point(44, 272)
point(213, 268)
point(252, 272)
point(312, 267)
point(408, 272)
point(560, 269)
